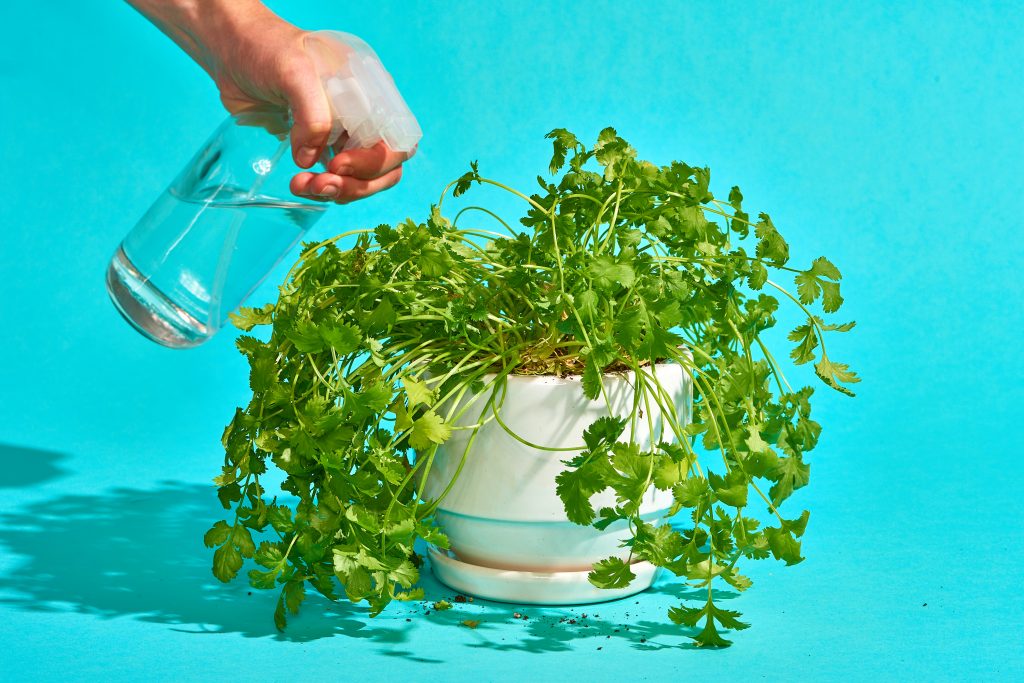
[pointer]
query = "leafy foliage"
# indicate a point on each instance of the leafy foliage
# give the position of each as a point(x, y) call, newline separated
point(376, 351)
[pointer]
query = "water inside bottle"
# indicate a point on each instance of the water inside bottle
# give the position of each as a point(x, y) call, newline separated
point(192, 259)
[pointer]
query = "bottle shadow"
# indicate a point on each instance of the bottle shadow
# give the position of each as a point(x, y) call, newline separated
point(23, 467)
point(138, 553)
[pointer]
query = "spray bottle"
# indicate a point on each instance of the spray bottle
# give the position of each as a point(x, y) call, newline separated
point(228, 217)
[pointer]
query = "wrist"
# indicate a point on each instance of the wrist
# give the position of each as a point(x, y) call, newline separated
point(233, 32)
point(205, 29)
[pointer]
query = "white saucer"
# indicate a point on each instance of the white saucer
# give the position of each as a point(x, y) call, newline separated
point(531, 588)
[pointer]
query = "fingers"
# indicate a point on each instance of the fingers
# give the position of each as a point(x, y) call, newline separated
point(310, 110)
point(352, 174)
point(330, 187)
point(366, 163)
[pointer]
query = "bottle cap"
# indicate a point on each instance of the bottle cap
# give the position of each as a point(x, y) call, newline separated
point(365, 103)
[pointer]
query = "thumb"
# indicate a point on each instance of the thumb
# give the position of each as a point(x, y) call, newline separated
point(311, 113)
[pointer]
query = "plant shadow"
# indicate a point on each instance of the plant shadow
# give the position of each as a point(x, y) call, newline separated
point(24, 467)
point(563, 629)
point(138, 553)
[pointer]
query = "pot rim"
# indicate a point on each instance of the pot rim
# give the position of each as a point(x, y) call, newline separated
point(574, 378)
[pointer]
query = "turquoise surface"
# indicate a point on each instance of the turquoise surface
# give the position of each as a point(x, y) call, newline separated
point(885, 135)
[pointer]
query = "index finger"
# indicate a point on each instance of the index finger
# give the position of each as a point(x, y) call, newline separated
point(367, 164)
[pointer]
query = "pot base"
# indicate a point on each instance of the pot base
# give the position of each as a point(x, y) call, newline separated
point(531, 588)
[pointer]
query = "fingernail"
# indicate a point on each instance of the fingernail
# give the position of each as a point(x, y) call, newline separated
point(307, 155)
point(329, 191)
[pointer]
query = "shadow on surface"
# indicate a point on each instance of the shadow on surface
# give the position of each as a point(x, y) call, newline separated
point(139, 554)
point(23, 467)
point(564, 629)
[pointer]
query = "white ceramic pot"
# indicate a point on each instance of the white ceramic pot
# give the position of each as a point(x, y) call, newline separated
point(506, 524)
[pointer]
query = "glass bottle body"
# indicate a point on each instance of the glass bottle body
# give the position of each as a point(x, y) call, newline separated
point(214, 235)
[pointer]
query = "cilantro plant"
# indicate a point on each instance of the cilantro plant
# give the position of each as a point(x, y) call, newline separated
point(375, 351)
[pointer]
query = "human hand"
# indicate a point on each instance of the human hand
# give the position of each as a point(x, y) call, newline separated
point(257, 59)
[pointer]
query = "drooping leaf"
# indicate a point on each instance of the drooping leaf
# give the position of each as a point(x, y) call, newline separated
point(604, 431)
point(611, 573)
point(836, 375)
point(783, 545)
point(692, 492)
point(790, 474)
point(730, 489)
point(428, 429)
point(712, 615)
point(227, 560)
point(771, 246)
point(417, 391)
point(217, 535)
point(576, 487)
point(246, 318)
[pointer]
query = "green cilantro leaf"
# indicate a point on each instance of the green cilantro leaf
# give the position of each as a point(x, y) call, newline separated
point(692, 492)
point(730, 489)
point(417, 391)
point(790, 474)
point(771, 246)
point(217, 535)
point(343, 339)
point(428, 429)
point(607, 273)
point(783, 545)
point(711, 613)
point(227, 560)
point(836, 374)
point(246, 318)
point(611, 573)
point(576, 487)
point(604, 431)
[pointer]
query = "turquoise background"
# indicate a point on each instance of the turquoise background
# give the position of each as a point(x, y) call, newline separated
point(884, 135)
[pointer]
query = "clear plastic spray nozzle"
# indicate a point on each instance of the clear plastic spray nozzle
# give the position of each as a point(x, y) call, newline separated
point(365, 103)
